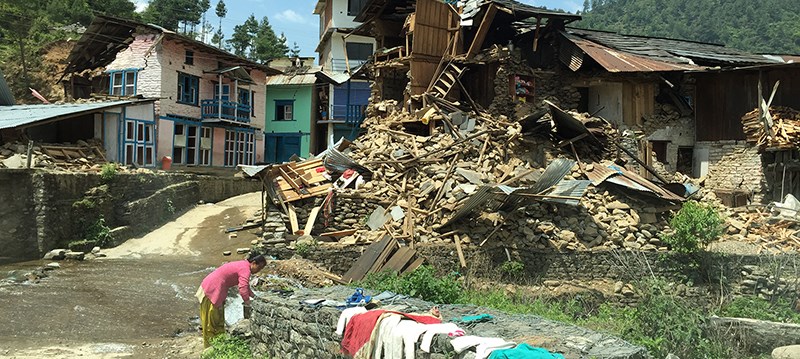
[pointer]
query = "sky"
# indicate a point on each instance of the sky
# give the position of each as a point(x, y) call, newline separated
point(296, 19)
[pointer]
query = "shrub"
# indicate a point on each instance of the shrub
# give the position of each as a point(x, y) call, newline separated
point(665, 324)
point(422, 283)
point(305, 247)
point(108, 172)
point(228, 347)
point(512, 269)
point(694, 226)
point(99, 233)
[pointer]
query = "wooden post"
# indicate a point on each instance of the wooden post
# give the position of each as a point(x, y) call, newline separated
point(483, 29)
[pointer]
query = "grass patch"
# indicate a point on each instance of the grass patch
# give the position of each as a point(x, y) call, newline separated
point(228, 347)
point(761, 309)
point(423, 283)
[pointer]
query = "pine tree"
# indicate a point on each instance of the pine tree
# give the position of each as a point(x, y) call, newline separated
point(241, 40)
point(221, 11)
point(175, 14)
point(267, 45)
point(295, 51)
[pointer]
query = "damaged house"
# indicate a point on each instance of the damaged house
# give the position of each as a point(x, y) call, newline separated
point(209, 108)
point(662, 95)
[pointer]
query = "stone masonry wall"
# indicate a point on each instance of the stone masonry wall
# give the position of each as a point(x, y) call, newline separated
point(763, 276)
point(48, 209)
point(284, 329)
point(734, 165)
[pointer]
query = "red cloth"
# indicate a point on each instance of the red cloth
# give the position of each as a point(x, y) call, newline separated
point(360, 327)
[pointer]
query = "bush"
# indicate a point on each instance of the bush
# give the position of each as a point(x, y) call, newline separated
point(108, 172)
point(99, 233)
point(694, 226)
point(228, 347)
point(512, 269)
point(421, 283)
point(665, 324)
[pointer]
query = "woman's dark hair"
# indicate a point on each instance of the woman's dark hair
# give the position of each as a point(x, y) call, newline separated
point(257, 258)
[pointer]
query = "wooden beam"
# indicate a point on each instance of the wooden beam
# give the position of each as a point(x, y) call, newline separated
point(293, 219)
point(483, 29)
point(460, 252)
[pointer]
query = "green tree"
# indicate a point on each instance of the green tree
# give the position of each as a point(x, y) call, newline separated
point(295, 51)
point(221, 11)
point(120, 8)
point(267, 45)
point(67, 12)
point(176, 15)
point(241, 40)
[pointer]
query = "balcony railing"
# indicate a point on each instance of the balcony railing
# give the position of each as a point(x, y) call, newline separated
point(351, 114)
point(340, 65)
point(227, 110)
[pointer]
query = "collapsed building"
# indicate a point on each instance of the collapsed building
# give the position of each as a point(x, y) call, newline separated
point(494, 123)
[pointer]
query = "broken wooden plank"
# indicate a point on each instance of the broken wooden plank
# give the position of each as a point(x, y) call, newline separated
point(461, 258)
point(483, 30)
point(361, 267)
point(339, 234)
point(378, 265)
point(414, 265)
point(293, 219)
point(312, 217)
point(398, 261)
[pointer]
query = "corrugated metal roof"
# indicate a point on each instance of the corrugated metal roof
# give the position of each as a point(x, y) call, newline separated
point(301, 79)
point(22, 115)
point(518, 10)
point(630, 53)
point(568, 188)
point(6, 97)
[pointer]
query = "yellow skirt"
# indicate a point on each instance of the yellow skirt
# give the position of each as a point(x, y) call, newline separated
point(212, 321)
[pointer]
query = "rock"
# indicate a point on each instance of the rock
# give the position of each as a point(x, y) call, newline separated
point(617, 205)
point(787, 352)
point(95, 250)
point(76, 256)
point(758, 335)
point(567, 235)
point(628, 291)
point(647, 218)
point(552, 283)
point(55, 254)
point(226, 253)
point(671, 356)
point(242, 250)
point(618, 287)
point(51, 266)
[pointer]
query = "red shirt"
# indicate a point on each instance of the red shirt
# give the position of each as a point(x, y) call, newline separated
point(217, 283)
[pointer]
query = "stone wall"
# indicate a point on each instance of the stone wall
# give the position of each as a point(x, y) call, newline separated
point(46, 209)
point(734, 165)
point(17, 220)
point(284, 329)
point(741, 274)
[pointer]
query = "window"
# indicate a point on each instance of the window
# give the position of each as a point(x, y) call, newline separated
point(284, 110)
point(358, 51)
point(122, 83)
point(189, 57)
point(245, 99)
point(139, 143)
point(252, 104)
point(188, 88)
point(239, 148)
point(354, 6)
point(191, 144)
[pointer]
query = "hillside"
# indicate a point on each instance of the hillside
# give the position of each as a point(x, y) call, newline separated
point(768, 26)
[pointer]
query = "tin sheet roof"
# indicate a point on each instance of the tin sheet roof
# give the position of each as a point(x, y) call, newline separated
point(22, 115)
point(300, 79)
point(630, 53)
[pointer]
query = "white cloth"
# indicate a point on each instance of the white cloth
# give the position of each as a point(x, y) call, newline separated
point(345, 317)
point(383, 334)
point(488, 345)
point(433, 329)
point(403, 339)
point(461, 344)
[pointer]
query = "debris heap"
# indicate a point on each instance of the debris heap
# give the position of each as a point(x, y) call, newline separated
point(784, 132)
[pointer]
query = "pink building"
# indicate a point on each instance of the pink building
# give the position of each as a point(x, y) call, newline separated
point(210, 104)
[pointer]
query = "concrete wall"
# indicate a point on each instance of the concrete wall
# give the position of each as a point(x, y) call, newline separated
point(46, 210)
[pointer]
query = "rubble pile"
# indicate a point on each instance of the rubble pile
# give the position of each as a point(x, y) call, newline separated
point(785, 129)
point(80, 156)
point(426, 179)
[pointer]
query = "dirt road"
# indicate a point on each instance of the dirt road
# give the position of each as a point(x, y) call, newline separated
point(137, 302)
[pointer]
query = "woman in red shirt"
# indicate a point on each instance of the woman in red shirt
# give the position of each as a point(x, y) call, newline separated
point(214, 290)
